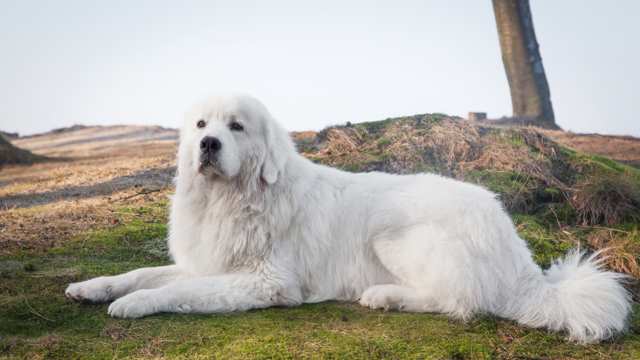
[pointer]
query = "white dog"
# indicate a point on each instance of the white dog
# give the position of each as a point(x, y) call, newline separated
point(253, 224)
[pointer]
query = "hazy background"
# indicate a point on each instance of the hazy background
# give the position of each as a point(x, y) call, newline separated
point(312, 63)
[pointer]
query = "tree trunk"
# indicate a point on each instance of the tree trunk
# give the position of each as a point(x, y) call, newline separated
point(530, 94)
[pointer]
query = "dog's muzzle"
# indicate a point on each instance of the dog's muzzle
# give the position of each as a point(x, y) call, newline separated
point(209, 148)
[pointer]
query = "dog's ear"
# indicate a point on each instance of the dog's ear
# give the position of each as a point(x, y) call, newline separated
point(270, 169)
point(279, 148)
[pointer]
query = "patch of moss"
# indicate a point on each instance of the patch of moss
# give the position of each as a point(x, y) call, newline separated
point(591, 165)
point(519, 192)
point(383, 142)
point(424, 123)
point(557, 213)
point(516, 139)
point(543, 242)
point(375, 127)
point(553, 193)
point(306, 145)
point(373, 163)
point(502, 182)
point(437, 116)
point(352, 167)
point(610, 164)
point(123, 242)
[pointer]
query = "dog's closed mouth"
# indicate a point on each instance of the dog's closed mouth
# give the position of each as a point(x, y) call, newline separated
point(209, 168)
point(205, 166)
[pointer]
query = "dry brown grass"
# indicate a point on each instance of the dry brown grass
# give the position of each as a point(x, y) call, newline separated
point(606, 199)
point(625, 149)
point(621, 249)
point(448, 146)
point(397, 148)
point(44, 204)
point(455, 143)
point(45, 226)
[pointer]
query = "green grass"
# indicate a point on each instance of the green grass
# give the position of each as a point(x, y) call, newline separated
point(545, 244)
point(519, 192)
point(598, 165)
point(37, 321)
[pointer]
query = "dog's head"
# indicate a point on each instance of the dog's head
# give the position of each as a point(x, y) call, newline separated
point(230, 136)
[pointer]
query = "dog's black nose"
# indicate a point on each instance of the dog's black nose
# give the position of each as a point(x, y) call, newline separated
point(210, 144)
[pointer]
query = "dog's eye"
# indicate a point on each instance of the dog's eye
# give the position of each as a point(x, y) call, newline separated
point(236, 126)
point(201, 123)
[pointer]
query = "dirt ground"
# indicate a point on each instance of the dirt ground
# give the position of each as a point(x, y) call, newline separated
point(96, 170)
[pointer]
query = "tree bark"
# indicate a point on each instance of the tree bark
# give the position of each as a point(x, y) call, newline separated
point(530, 94)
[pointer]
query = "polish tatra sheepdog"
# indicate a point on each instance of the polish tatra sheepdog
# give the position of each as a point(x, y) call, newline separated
point(253, 224)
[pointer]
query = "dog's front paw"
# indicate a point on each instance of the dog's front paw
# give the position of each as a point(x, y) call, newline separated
point(135, 305)
point(95, 290)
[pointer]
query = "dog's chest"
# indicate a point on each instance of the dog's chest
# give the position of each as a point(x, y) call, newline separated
point(220, 238)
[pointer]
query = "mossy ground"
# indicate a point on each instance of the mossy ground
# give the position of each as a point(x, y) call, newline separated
point(37, 321)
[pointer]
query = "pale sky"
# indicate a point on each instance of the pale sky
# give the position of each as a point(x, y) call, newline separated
point(312, 63)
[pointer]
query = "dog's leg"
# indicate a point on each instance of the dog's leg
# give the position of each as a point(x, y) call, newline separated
point(426, 273)
point(214, 294)
point(396, 297)
point(107, 288)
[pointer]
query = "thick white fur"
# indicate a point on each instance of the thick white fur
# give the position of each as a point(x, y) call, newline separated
point(268, 227)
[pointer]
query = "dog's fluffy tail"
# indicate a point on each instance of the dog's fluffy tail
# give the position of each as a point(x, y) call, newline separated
point(574, 295)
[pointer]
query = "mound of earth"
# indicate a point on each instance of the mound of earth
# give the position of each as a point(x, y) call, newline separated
point(10, 154)
point(530, 170)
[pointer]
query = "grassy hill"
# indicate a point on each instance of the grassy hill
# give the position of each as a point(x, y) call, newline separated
point(586, 200)
point(105, 213)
